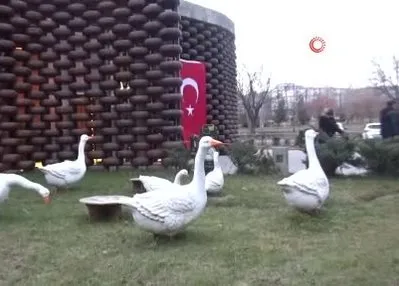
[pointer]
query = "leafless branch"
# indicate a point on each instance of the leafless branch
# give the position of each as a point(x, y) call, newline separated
point(253, 94)
point(385, 84)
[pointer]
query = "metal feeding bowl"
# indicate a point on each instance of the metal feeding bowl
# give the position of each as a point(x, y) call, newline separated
point(103, 207)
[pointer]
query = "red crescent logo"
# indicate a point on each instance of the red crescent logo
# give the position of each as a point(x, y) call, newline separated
point(313, 42)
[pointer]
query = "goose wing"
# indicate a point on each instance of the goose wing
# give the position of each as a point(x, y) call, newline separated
point(62, 169)
point(152, 183)
point(306, 182)
point(158, 206)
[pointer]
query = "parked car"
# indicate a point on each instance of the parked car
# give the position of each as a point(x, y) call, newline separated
point(372, 131)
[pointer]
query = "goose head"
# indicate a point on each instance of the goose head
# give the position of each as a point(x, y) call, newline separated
point(208, 142)
point(311, 134)
point(184, 172)
point(45, 193)
point(84, 138)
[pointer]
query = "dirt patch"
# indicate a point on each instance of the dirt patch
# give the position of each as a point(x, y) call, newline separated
point(377, 194)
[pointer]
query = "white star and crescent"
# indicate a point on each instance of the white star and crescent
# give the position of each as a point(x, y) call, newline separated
point(190, 110)
point(190, 82)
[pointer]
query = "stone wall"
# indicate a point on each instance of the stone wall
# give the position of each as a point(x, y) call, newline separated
point(108, 68)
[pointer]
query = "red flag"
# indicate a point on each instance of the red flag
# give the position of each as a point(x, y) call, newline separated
point(193, 102)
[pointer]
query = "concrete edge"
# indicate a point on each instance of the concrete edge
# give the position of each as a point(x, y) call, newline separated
point(194, 11)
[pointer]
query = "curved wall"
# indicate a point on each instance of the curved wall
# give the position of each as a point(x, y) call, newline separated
point(108, 68)
point(208, 36)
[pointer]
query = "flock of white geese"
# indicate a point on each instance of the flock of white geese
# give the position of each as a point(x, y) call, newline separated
point(167, 208)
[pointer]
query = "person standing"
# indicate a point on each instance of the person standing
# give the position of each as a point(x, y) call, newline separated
point(387, 120)
point(328, 126)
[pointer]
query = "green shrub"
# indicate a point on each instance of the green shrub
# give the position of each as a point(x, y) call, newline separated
point(333, 153)
point(300, 139)
point(382, 156)
point(179, 158)
point(243, 156)
point(264, 164)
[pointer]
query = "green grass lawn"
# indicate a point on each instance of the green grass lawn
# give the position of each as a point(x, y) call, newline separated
point(248, 237)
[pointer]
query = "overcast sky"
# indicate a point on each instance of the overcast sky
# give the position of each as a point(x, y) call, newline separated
point(276, 34)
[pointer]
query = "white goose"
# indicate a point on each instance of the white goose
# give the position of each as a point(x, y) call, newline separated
point(9, 180)
point(152, 183)
point(170, 210)
point(65, 173)
point(214, 180)
point(307, 190)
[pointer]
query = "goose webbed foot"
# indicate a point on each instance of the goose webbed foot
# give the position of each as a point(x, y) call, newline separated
point(159, 237)
point(56, 189)
point(53, 190)
point(317, 212)
point(314, 212)
point(63, 188)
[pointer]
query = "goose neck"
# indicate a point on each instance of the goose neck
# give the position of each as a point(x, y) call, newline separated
point(312, 156)
point(81, 151)
point(216, 162)
point(199, 169)
point(16, 180)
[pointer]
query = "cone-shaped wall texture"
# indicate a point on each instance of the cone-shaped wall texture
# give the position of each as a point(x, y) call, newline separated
point(108, 68)
point(208, 36)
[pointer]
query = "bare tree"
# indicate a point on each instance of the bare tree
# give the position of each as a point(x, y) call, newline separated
point(316, 106)
point(384, 83)
point(280, 114)
point(301, 112)
point(364, 105)
point(253, 95)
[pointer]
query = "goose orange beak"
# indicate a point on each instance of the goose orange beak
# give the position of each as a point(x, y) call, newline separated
point(216, 143)
point(47, 200)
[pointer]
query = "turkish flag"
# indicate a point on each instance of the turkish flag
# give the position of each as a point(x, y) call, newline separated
point(193, 102)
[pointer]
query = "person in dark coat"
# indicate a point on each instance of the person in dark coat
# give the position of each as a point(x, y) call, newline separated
point(394, 116)
point(388, 119)
point(328, 126)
